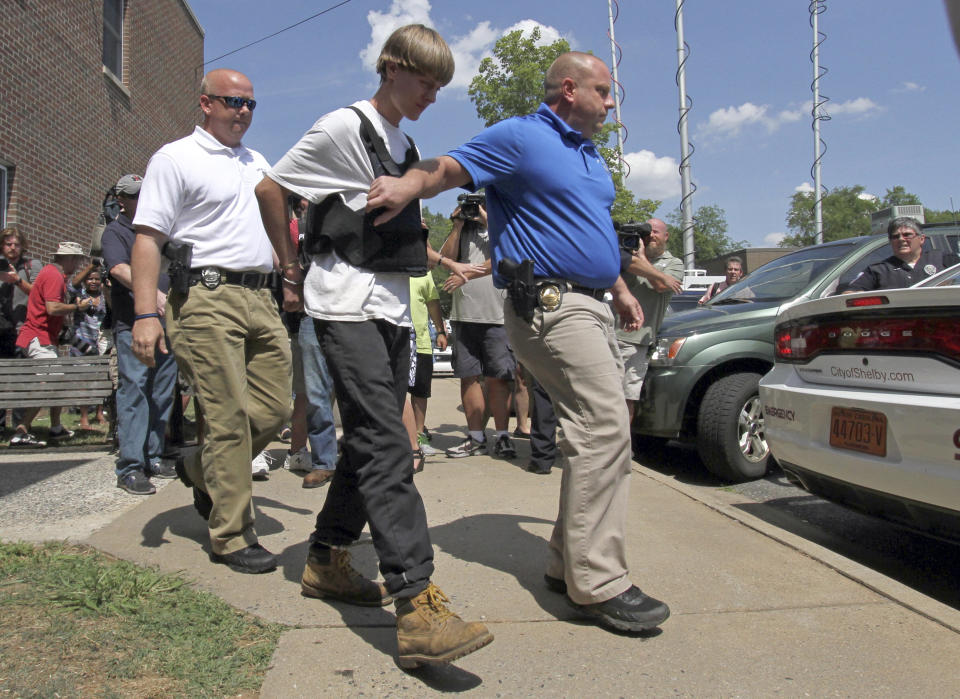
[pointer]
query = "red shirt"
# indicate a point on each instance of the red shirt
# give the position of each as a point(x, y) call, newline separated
point(50, 285)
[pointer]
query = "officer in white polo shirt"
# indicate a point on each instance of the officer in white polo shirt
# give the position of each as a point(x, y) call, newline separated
point(197, 208)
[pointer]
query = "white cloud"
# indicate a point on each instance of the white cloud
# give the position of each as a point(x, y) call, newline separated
point(468, 49)
point(772, 240)
point(909, 86)
point(730, 121)
point(652, 177)
point(856, 107)
point(866, 196)
point(805, 188)
point(382, 25)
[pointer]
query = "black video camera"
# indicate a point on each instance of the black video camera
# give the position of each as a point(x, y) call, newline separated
point(470, 206)
point(630, 234)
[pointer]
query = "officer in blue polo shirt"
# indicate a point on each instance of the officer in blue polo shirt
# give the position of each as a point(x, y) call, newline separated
point(548, 201)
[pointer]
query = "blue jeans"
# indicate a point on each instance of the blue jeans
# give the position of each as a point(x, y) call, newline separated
point(144, 401)
point(321, 432)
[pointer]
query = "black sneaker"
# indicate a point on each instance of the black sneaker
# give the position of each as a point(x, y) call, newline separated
point(504, 448)
point(136, 483)
point(468, 447)
point(631, 610)
point(60, 432)
point(163, 469)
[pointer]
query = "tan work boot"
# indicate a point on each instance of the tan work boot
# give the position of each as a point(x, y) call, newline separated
point(428, 632)
point(333, 576)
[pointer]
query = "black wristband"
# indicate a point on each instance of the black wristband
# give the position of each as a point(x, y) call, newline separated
point(141, 316)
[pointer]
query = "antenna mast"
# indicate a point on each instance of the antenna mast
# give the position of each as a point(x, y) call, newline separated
point(614, 61)
point(687, 187)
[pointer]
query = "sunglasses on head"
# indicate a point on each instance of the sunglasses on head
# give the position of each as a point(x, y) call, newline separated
point(236, 102)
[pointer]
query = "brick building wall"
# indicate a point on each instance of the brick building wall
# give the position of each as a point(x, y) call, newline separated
point(68, 127)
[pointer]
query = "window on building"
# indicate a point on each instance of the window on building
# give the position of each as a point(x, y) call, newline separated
point(113, 36)
point(3, 196)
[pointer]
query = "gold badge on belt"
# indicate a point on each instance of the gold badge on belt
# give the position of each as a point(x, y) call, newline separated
point(549, 296)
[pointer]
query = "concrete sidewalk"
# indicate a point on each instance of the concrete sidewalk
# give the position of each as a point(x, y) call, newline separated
point(753, 613)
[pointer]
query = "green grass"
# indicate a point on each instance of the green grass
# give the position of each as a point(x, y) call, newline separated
point(74, 622)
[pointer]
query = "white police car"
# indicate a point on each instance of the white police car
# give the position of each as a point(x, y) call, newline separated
point(863, 404)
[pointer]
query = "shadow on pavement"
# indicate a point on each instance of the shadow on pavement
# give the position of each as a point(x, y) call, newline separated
point(19, 475)
point(185, 522)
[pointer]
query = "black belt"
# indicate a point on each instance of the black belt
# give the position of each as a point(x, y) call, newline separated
point(566, 285)
point(212, 277)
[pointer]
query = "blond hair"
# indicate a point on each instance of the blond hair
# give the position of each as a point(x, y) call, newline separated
point(418, 49)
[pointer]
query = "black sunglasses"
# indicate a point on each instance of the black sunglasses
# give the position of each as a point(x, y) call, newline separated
point(236, 102)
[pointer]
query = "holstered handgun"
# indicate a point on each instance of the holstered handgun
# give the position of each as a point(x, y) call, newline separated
point(521, 291)
point(180, 256)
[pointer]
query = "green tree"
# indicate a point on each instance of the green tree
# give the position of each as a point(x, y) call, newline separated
point(845, 214)
point(710, 237)
point(511, 84)
point(898, 196)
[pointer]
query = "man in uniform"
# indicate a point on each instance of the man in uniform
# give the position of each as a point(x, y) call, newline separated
point(908, 264)
point(222, 319)
point(549, 195)
point(653, 277)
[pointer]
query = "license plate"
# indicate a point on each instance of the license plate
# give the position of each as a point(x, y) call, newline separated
point(859, 430)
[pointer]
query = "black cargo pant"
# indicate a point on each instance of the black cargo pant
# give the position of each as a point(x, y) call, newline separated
point(543, 426)
point(370, 362)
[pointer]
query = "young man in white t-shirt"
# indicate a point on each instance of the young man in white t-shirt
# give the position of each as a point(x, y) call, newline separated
point(362, 319)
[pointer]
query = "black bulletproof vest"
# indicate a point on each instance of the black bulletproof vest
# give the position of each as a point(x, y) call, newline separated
point(399, 245)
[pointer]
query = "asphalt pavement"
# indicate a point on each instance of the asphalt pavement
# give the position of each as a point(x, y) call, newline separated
point(756, 610)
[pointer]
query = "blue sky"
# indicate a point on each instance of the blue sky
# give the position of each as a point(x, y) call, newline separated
point(892, 74)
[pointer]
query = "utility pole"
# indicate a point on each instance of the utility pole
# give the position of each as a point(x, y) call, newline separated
point(686, 186)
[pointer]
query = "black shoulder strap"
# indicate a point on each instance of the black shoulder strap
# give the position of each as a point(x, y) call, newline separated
point(375, 145)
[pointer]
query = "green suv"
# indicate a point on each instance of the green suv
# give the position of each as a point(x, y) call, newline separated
point(701, 386)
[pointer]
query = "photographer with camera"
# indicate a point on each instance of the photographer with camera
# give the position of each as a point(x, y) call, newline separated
point(17, 273)
point(654, 275)
point(480, 347)
point(144, 394)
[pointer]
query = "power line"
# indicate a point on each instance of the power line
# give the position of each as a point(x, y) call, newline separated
point(281, 31)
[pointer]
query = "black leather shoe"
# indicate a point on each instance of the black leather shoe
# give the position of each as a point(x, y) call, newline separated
point(631, 610)
point(201, 499)
point(555, 584)
point(252, 559)
point(538, 469)
point(202, 502)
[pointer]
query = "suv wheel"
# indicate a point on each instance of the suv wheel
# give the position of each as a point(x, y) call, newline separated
point(730, 435)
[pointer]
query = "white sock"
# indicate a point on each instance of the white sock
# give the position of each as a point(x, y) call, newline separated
point(478, 435)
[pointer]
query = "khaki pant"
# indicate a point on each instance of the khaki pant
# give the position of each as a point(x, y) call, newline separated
point(572, 352)
point(233, 349)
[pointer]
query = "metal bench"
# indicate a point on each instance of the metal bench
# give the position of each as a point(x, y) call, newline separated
point(64, 381)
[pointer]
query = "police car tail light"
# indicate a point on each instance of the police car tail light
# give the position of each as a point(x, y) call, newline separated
point(862, 301)
point(801, 341)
